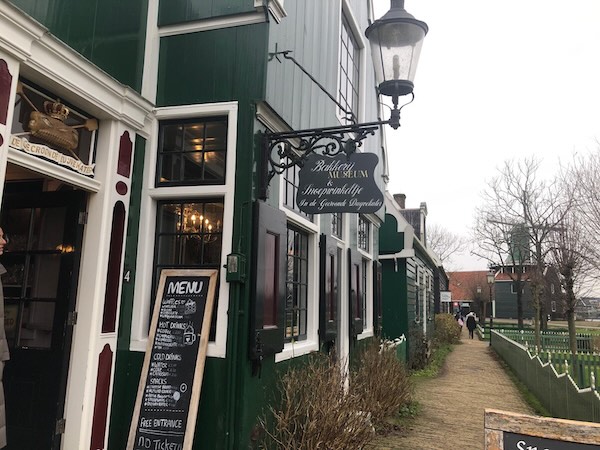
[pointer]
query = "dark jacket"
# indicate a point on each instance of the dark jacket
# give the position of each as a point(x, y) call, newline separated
point(471, 323)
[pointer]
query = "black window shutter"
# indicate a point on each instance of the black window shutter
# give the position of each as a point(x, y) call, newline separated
point(377, 298)
point(328, 289)
point(269, 277)
point(355, 292)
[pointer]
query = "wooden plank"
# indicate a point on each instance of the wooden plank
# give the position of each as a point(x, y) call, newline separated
point(562, 430)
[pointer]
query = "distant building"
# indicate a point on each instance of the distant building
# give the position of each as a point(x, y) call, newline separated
point(505, 293)
point(587, 308)
point(469, 291)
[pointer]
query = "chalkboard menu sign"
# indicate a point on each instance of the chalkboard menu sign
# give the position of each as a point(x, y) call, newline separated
point(169, 389)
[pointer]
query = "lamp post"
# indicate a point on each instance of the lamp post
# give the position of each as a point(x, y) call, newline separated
point(491, 278)
point(482, 304)
point(395, 40)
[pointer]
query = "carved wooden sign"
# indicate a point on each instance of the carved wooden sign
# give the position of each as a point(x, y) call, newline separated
point(511, 431)
point(339, 184)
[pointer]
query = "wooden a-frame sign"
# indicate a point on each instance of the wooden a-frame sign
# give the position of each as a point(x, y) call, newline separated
point(512, 431)
point(169, 390)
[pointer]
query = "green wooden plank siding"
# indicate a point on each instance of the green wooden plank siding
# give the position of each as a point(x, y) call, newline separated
point(216, 66)
point(179, 11)
point(109, 33)
point(506, 301)
point(395, 319)
point(213, 66)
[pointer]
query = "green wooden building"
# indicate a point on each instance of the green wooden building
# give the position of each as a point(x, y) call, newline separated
point(156, 160)
point(412, 278)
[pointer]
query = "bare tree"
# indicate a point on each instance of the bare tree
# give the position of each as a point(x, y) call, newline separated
point(519, 212)
point(570, 255)
point(583, 177)
point(444, 243)
point(496, 242)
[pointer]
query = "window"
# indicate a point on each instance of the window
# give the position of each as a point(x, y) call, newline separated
point(513, 288)
point(296, 285)
point(364, 283)
point(188, 235)
point(336, 225)
point(553, 305)
point(192, 152)
point(418, 300)
point(349, 73)
point(552, 290)
point(290, 190)
point(364, 234)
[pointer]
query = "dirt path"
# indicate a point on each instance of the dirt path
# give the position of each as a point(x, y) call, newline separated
point(452, 404)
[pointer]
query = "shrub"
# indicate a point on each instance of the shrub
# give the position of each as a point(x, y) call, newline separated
point(381, 382)
point(314, 411)
point(447, 330)
point(418, 350)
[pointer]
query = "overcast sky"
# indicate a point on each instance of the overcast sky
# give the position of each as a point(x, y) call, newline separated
point(496, 81)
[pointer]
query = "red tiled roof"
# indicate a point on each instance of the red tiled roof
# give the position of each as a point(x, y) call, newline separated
point(463, 285)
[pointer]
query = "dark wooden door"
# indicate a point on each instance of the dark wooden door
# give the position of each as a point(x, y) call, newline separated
point(42, 260)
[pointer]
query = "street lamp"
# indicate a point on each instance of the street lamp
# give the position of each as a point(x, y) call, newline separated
point(395, 40)
point(491, 278)
point(482, 304)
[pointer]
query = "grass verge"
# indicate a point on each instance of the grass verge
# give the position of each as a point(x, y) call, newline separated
point(436, 362)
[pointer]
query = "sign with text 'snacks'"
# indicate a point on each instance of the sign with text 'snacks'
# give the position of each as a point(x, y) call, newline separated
point(169, 388)
point(512, 431)
point(339, 184)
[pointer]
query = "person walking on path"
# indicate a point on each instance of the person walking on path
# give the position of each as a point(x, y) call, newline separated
point(471, 323)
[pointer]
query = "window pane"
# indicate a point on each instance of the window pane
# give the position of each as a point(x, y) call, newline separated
point(336, 225)
point(189, 234)
point(364, 234)
point(167, 250)
point(192, 152)
point(349, 72)
point(297, 285)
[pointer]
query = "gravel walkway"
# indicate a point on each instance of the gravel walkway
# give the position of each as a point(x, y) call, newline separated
point(452, 404)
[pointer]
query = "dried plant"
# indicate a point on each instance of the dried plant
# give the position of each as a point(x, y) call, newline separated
point(315, 412)
point(381, 382)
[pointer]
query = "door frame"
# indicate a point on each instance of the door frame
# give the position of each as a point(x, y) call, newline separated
point(76, 203)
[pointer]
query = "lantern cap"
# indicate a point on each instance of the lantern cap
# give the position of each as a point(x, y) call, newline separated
point(396, 14)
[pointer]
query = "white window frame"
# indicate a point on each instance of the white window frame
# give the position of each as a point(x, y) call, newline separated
point(368, 255)
point(355, 29)
point(512, 287)
point(143, 296)
point(311, 343)
point(293, 349)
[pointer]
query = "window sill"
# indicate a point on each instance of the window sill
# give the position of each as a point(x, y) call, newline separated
point(295, 349)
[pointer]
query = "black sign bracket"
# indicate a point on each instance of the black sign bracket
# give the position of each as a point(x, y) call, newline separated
point(287, 149)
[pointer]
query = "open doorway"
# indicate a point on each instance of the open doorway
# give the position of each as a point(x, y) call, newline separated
point(42, 219)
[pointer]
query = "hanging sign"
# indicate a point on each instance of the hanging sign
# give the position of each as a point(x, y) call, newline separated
point(169, 390)
point(339, 184)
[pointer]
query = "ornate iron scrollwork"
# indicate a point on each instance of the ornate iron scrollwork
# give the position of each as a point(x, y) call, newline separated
point(291, 148)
